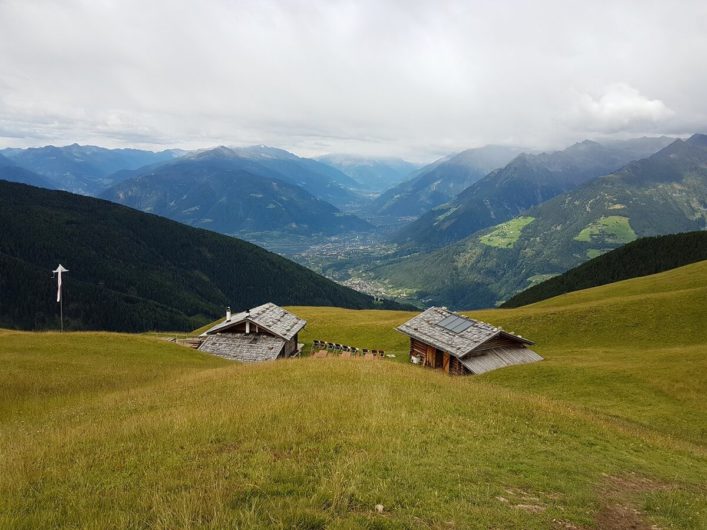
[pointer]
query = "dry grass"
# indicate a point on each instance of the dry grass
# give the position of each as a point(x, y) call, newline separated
point(106, 430)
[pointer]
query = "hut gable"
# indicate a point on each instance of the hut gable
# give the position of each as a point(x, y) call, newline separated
point(438, 334)
point(270, 317)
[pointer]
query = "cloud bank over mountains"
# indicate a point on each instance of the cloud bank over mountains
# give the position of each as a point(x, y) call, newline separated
point(622, 108)
point(414, 79)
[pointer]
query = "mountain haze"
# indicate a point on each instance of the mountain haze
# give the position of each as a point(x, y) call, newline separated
point(371, 174)
point(438, 182)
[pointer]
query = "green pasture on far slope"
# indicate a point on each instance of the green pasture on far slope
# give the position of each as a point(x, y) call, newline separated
point(107, 430)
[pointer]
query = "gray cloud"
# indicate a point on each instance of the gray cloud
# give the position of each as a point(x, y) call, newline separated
point(416, 79)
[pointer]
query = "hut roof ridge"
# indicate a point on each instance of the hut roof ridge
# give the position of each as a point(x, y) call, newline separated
point(269, 316)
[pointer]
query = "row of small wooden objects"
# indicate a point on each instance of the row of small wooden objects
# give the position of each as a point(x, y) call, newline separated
point(320, 345)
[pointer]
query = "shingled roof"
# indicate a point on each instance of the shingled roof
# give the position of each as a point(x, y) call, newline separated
point(270, 317)
point(245, 348)
point(451, 332)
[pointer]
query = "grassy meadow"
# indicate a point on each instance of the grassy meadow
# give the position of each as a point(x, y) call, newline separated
point(105, 430)
point(506, 234)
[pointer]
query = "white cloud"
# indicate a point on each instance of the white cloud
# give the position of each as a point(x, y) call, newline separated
point(622, 108)
point(408, 78)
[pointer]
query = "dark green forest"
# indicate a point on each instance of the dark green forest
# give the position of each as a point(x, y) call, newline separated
point(648, 255)
point(132, 271)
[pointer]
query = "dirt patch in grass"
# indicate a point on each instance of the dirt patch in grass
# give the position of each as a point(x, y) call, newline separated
point(522, 500)
point(619, 510)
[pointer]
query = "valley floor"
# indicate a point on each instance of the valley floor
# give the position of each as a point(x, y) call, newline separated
point(107, 430)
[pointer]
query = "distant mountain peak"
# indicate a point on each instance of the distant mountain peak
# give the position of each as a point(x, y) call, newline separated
point(263, 151)
point(215, 152)
point(584, 144)
point(441, 180)
point(697, 139)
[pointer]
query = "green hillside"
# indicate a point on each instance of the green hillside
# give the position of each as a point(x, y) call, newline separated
point(527, 180)
point(130, 271)
point(663, 194)
point(645, 256)
point(104, 430)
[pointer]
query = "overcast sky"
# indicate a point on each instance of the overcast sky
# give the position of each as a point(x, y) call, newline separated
point(412, 79)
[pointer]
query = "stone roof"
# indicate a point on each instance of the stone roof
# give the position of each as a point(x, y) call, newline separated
point(249, 348)
point(271, 317)
point(426, 328)
point(499, 358)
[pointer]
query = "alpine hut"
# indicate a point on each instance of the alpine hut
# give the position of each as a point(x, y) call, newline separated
point(459, 345)
point(264, 333)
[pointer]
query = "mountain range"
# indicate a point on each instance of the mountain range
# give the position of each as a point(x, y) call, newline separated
point(661, 194)
point(131, 271)
point(527, 180)
point(440, 181)
point(321, 180)
point(223, 191)
point(524, 218)
point(90, 170)
point(9, 170)
point(83, 169)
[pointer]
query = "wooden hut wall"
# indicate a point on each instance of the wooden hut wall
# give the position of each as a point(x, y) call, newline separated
point(417, 348)
point(456, 367)
point(290, 347)
point(435, 358)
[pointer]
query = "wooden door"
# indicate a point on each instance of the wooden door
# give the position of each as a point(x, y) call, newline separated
point(445, 362)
